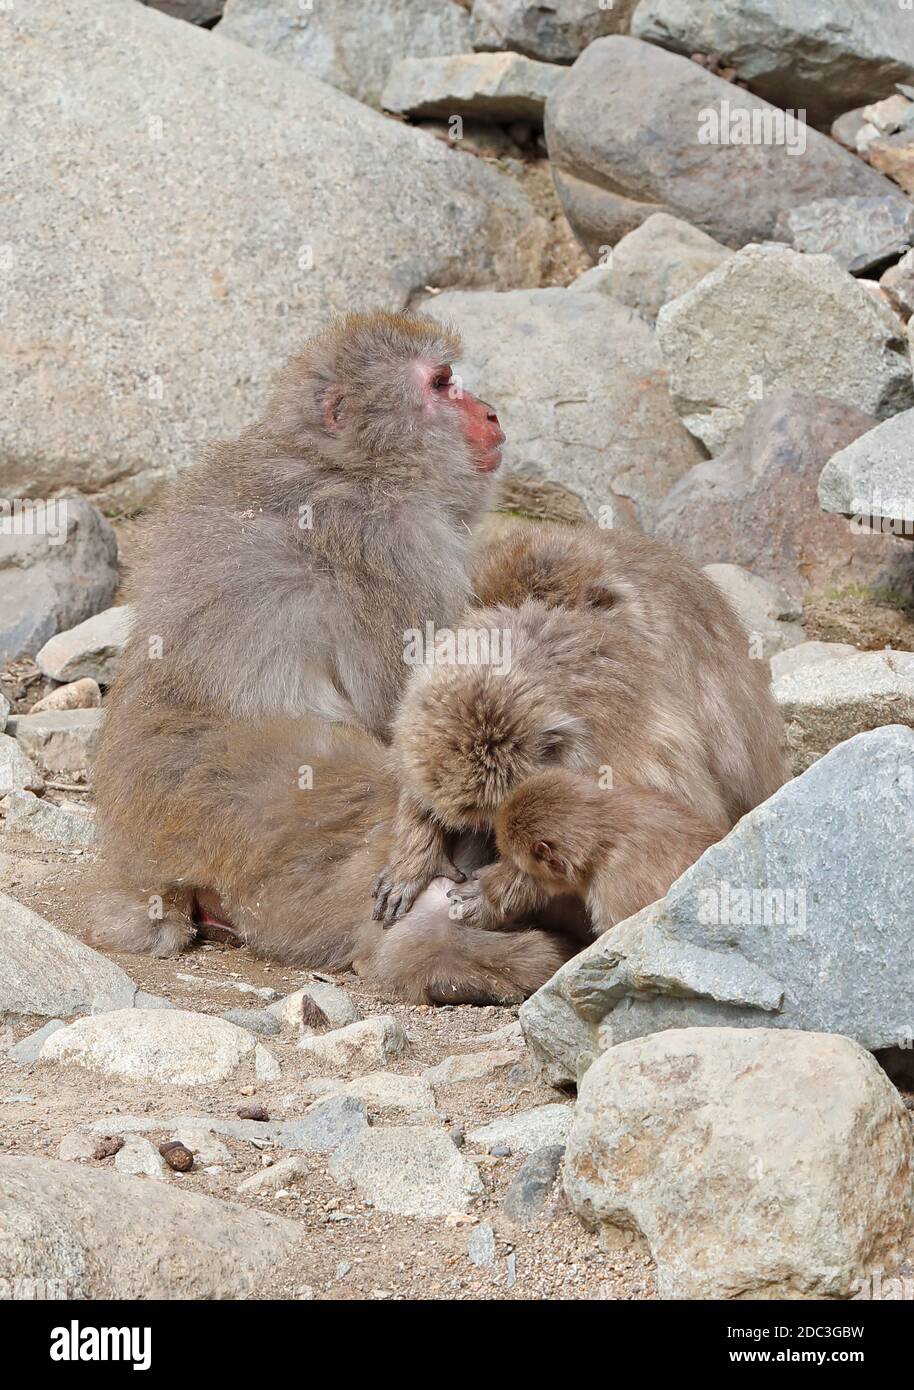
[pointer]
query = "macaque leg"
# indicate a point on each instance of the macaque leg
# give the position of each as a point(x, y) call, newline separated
point(419, 854)
point(158, 924)
point(431, 959)
point(496, 896)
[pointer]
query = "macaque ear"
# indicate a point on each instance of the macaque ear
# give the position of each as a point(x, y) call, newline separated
point(331, 408)
point(545, 854)
point(599, 596)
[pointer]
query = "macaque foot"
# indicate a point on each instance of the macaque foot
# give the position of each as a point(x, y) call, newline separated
point(394, 894)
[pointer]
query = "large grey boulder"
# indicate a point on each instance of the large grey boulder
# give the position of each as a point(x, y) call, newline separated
point(43, 971)
point(484, 86)
point(825, 704)
point(618, 155)
point(556, 32)
point(58, 561)
point(84, 1233)
point(342, 43)
point(800, 918)
point(268, 204)
point(754, 1164)
point(861, 234)
point(91, 650)
point(771, 318)
point(580, 390)
point(872, 478)
point(655, 263)
point(800, 53)
point(757, 504)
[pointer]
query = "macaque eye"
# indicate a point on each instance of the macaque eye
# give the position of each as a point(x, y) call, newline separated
point(441, 380)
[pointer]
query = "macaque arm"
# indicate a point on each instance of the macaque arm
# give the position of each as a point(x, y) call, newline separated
point(419, 854)
point(498, 894)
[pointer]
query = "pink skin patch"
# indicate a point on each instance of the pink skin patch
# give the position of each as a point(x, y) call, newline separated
point(481, 429)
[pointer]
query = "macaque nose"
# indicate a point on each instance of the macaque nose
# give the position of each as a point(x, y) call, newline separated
point(490, 413)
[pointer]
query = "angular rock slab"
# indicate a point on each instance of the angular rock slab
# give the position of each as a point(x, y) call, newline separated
point(872, 478)
point(580, 388)
point(813, 329)
point(825, 948)
point(756, 504)
point(657, 262)
point(91, 649)
point(58, 560)
point(339, 44)
point(861, 234)
point(808, 654)
point(171, 1046)
point(556, 32)
point(526, 1131)
point(825, 704)
point(17, 772)
point(268, 204)
point(59, 741)
point(812, 54)
point(755, 1164)
point(67, 825)
point(46, 972)
point(86, 1233)
point(409, 1170)
point(363, 1046)
point(484, 86)
point(617, 156)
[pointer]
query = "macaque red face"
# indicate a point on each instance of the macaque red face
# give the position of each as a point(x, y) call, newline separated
point(478, 420)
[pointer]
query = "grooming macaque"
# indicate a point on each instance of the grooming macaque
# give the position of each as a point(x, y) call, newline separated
point(242, 783)
point(231, 831)
point(618, 849)
point(627, 659)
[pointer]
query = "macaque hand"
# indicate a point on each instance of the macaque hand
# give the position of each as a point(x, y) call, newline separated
point(472, 908)
point(395, 892)
point(496, 897)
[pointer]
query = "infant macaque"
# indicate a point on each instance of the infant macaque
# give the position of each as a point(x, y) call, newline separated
point(618, 850)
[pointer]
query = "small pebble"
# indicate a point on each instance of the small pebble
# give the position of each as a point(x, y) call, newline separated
point(253, 1112)
point(177, 1156)
point(500, 1151)
point(109, 1145)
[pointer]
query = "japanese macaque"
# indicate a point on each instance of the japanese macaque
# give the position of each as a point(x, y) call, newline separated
point(628, 662)
point(277, 830)
point(618, 850)
point(242, 778)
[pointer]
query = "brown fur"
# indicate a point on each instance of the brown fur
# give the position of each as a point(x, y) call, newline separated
point(617, 850)
point(293, 865)
point(627, 659)
point(261, 646)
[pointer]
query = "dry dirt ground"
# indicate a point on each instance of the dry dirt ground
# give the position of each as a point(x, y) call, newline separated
point(349, 1250)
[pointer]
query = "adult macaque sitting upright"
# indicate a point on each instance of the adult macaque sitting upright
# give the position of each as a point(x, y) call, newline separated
point(272, 596)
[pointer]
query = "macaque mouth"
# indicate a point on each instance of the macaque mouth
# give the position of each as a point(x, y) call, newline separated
point(487, 450)
point(490, 460)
